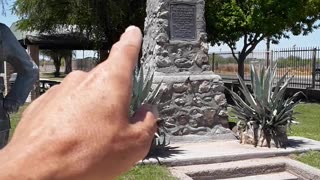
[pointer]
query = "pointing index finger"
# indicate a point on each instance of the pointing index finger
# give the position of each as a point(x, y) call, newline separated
point(124, 54)
point(117, 70)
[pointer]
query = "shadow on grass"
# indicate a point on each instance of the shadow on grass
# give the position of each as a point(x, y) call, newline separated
point(295, 143)
point(163, 152)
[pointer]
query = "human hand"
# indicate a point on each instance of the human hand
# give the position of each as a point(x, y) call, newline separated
point(80, 129)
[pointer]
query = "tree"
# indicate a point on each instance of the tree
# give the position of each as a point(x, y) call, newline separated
point(56, 56)
point(256, 20)
point(3, 3)
point(100, 20)
point(68, 62)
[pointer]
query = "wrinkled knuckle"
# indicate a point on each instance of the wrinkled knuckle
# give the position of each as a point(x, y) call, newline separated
point(120, 78)
point(77, 74)
point(127, 48)
point(25, 113)
point(74, 76)
point(67, 142)
point(116, 47)
point(53, 89)
point(130, 48)
point(144, 137)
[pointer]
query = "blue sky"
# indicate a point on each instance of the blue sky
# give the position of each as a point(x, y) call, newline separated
point(311, 40)
point(9, 18)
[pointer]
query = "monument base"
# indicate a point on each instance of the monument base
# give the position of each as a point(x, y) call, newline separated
point(201, 139)
point(192, 103)
point(175, 46)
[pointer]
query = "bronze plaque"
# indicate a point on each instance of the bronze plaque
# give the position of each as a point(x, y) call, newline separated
point(183, 21)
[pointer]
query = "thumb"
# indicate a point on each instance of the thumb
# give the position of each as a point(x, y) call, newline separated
point(144, 120)
point(143, 126)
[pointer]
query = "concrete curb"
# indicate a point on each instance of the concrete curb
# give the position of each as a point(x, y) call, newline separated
point(248, 168)
point(192, 153)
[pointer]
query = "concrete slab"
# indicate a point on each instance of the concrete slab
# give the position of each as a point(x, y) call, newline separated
point(273, 176)
point(232, 169)
point(226, 151)
point(277, 168)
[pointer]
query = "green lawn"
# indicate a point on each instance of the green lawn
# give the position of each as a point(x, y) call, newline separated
point(148, 172)
point(312, 158)
point(308, 116)
point(15, 118)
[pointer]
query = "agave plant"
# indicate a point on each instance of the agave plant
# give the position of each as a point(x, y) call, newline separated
point(141, 90)
point(143, 94)
point(265, 114)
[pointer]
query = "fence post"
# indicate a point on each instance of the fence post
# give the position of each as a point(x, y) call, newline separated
point(212, 63)
point(314, 62)
point(271, 58)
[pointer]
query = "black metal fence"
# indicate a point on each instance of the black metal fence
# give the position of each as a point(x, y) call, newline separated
point(302, 63)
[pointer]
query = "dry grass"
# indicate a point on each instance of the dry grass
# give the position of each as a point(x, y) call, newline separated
point(232, 69)
point(297, 71)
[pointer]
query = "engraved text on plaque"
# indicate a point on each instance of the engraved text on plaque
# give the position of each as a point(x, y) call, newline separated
point(183, 22)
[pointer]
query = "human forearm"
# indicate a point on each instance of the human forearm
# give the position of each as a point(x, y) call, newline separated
point(17, 164)
point(40, 161)
point(81, 129)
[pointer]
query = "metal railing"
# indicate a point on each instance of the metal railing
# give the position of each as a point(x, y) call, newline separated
point(302, 63)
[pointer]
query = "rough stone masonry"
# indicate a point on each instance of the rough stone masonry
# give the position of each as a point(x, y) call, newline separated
point(175, 46)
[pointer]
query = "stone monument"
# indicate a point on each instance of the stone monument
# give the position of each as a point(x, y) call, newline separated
point(175, 46)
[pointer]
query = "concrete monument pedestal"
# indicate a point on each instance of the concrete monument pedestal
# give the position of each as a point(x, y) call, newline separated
point(175, 46)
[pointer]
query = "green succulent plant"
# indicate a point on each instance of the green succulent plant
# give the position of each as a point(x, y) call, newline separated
point(265, 112)
point(144, 94)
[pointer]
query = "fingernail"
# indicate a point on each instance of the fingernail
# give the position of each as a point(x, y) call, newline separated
point(130, 28)
point(132, 35)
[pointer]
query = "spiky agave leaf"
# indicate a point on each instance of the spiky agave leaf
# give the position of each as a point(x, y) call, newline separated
point(265, 108)
point(144, 94)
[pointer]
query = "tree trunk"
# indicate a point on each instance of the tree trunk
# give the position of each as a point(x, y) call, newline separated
point(268, 51)
point(57, 64)
point(241, 67)
point(68, 64)
point(103, 55)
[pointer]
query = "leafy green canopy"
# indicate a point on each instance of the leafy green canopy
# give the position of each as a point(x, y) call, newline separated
point(256, 20)
point(2, 4)
point(102, 20)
